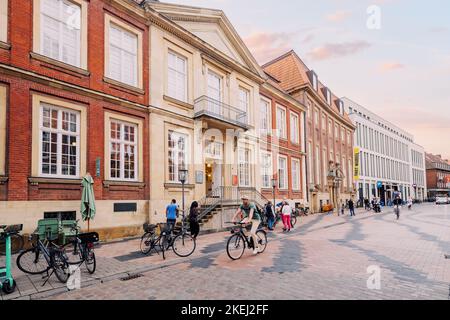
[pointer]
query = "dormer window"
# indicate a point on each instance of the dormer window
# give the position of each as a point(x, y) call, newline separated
point(314, 80)
point(341, 107)
point(328, 95)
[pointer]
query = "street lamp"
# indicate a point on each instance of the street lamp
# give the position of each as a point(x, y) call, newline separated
point(182, 176)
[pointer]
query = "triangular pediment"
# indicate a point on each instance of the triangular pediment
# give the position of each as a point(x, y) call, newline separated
point(212, 27)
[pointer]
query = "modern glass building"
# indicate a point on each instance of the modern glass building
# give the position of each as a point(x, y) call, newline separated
point(389, 160)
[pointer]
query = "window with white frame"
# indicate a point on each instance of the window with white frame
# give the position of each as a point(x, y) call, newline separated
point(123, 55)
point(123, 150)
point(266, 169)
point(4, 20)
point(214, 86)
point(177, 76)
point(295, 174)
point(294, 128)
point(60, 31)
point(265, 116)
point(282, 173)
point(325, 166)
point(244, 167)
point(244, 99)
point(281, 122)
point(316, 117)
point(317, 165)
point(177, 146)
point(59, 141)
point(310, 163)
point(336, 132)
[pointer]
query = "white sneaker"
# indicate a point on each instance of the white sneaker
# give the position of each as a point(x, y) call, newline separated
point(255, 251)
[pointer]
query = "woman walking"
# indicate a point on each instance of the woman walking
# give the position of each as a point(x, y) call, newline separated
point(286, 212)
point(193, 219)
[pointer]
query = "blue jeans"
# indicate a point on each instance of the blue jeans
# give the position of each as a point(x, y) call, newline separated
point(352, 212)
point(270, 222)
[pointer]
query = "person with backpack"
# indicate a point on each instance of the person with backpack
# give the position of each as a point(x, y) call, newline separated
point(251, 216)
point(270, 215)
point(286, 212)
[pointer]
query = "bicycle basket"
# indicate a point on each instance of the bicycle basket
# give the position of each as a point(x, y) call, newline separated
point(90, 237)
point(149, 227)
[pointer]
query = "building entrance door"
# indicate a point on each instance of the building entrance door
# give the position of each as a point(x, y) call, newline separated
point(214, 176)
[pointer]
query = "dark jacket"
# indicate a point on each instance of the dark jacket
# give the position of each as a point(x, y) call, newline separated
point(351, 205)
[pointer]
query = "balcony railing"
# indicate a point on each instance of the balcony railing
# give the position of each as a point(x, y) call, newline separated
point(206, 106)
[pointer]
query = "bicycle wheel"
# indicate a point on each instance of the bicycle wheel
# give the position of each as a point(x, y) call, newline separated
point(73, 253)
point(60, 265)
point(235, 246)
point(32, 261)
point(262, 240)
point(183, 245)
point(16, 244)
point(293, 220)
point(89, 261)
point(147, 242)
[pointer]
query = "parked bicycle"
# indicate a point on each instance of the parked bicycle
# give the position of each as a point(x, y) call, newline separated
point(44, 256)
point(17, 243)
point(80, 249)
point(150, 240)
point(239, 241)
point(182, 243)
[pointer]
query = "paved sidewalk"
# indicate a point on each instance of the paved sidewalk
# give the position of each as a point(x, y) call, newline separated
point(121, 259)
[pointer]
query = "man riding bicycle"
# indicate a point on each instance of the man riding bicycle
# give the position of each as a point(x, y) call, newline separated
point(251, 216)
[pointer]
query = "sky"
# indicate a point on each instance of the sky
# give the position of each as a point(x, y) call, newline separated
point(393, 59)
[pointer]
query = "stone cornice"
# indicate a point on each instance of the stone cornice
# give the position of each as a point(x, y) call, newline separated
point(29, 75)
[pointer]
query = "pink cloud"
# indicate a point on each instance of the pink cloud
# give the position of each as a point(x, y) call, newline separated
point(338, 16)
point(335, 50)
point(389, 66)
point(265, 45)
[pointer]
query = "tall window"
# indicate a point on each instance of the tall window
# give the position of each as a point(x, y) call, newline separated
point(178, 154)
point(325, 166)
point(123, 150)
point(295, 174)
point(281, 122)
point(244, 99)
point(282, 173)
point(60, 141)
point(294, 128)
point(4, 20)
point(265, 116)
point(317, 165)
point(266, 169)
point(310, 163)
point(215, 92)
point(123, 55)
point(60, 31)
point(214, 86)
point(177, 76)
point(244, 167)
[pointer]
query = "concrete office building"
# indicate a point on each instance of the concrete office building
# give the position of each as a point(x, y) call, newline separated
point(389, 160)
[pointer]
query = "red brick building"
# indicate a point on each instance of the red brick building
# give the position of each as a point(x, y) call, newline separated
point(282, 134)
point(329, 130)
point(438, 175)
point(74, 99)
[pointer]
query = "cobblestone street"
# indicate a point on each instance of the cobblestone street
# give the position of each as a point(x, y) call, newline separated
point(325, 257)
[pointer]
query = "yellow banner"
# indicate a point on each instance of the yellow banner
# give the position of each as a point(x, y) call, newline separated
point(356, 164)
